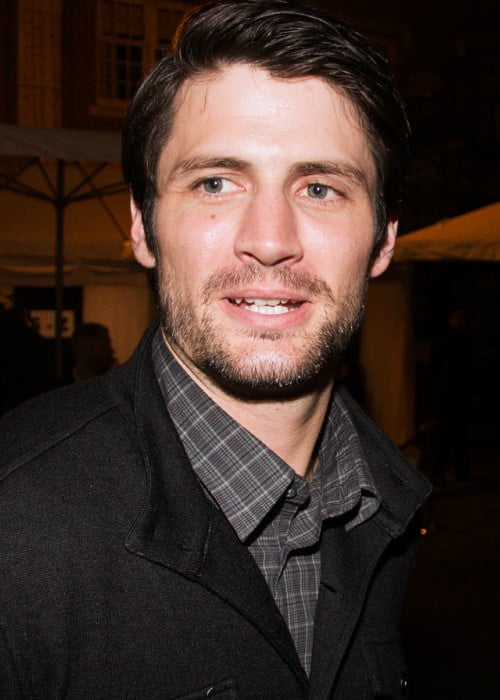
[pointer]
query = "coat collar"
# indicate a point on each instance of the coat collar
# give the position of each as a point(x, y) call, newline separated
point(400, 485)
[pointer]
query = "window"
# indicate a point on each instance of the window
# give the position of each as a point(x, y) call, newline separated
point(131, 36)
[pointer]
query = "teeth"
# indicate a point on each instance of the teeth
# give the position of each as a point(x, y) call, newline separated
point(269, 310)
point(263, 302)
point(266, 306)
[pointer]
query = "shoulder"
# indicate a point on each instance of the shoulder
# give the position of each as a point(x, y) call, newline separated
point(71, 471)
point(41, 423)
point(63, 416)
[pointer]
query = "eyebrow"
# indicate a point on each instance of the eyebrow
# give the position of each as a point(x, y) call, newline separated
point(339, 168)
point(189, 165)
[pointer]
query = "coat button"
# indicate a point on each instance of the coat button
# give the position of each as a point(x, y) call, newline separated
point(404, 684)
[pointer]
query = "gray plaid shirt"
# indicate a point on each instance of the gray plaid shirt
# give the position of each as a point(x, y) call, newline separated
point(275, 512)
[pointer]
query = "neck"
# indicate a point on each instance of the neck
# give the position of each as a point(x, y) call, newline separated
point(288, 426)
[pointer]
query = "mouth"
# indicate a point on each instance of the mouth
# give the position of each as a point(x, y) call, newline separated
point(265, 306)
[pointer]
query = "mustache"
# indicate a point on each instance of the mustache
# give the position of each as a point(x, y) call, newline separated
point(228, 279)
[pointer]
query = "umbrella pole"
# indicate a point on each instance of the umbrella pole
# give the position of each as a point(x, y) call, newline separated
point(59, 271)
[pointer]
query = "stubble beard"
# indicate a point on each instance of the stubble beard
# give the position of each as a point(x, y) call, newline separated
point(209, 349)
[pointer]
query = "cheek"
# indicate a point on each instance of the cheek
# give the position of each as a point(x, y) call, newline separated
point(342, 254)
point(184, 267)
point(201, 233)
point(348, 231)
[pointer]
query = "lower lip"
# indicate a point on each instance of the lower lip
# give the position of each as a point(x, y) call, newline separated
point(253, 319)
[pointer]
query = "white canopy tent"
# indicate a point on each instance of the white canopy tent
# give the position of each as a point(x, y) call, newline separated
point(471, 236)
point(387, 345)
point(65, 220)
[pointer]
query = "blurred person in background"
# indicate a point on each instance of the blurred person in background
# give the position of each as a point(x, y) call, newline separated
point(93, 352)
point(25, 363)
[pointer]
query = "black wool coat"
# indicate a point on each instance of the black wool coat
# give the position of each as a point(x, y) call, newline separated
point(119, 579)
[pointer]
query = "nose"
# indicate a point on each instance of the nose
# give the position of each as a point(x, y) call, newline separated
point(268, 233)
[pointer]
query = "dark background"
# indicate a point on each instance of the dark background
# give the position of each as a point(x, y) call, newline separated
point(445, 56)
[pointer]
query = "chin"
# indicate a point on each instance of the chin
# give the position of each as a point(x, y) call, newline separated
point(266, 375)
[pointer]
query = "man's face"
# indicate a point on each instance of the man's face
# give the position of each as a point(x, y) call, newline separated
point(264, 225)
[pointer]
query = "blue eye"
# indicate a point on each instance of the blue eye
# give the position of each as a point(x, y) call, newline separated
point(318, 191)
point(213, 185)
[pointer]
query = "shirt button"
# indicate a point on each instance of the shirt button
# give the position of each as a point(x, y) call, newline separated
point(291, 491)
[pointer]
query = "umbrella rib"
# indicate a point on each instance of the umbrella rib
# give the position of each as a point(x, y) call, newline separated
point(22, 188)
point(14, 176)
point(87, 179)
point(97, 193)
point(13, 184)
point(112, 188)
point(47, 179)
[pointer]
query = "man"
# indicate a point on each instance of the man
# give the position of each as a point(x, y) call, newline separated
point(216, 518)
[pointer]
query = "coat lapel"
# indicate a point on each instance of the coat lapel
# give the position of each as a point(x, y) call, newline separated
point(349, 558)
point(181, 529)
point(347, 564)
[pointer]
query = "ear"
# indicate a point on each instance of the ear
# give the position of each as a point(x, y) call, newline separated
point(138, 237)
point(384, 256)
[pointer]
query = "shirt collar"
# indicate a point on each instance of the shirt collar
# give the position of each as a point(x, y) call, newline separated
point(243, 476)
point(345, 482)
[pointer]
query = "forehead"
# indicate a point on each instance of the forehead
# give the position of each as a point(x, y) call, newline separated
point(239, 106)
